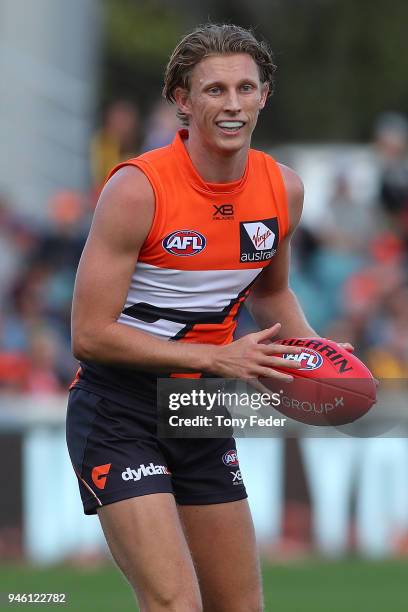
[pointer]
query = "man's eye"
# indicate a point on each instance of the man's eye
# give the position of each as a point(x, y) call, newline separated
point(214, 91)
point(247, 87)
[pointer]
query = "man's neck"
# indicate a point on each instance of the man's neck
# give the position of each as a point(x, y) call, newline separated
point(214, 167)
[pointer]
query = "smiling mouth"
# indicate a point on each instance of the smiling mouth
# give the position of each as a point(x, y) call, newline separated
point(230, 126)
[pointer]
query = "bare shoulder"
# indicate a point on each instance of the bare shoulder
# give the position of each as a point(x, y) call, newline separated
point(129, 181)
point(295, 192)
point(128, 190)
point(125, 207)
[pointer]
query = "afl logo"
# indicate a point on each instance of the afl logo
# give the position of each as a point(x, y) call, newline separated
point(230, 458)
point(184, 243)
point(309, 359)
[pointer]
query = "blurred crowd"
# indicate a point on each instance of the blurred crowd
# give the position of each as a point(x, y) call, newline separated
point(349, 268)
point(38, 262)
point(349, 271)
point(356, 260)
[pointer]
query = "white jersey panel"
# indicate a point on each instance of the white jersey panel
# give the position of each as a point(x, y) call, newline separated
point(192, 290)
point(162, 328)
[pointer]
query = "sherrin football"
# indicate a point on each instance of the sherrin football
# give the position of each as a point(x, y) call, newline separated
point(332, 387)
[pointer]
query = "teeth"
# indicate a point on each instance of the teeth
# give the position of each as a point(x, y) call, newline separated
point(231, 124)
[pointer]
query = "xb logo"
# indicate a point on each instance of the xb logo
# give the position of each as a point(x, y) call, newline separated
point(236, 477)
point(225, 211)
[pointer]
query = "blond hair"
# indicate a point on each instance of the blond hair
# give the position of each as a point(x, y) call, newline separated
point(214, 39)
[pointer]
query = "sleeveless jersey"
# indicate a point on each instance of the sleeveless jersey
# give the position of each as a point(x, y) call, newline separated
point(207, 244)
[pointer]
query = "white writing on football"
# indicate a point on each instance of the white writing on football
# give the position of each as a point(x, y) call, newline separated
point(309, 361)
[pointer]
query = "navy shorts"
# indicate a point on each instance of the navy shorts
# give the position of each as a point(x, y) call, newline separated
point(116, 455)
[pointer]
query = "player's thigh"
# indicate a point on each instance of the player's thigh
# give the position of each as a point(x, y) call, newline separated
point(222, 541)
point(146, 540)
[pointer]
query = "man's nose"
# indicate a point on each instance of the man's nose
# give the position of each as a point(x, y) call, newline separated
point(232, 102)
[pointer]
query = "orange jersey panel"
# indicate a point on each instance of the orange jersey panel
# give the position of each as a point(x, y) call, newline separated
point(207, 245)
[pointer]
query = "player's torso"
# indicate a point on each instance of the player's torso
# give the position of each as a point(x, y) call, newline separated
point(207, 245)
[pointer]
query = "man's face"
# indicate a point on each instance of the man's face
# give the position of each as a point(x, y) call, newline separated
point(224, 101)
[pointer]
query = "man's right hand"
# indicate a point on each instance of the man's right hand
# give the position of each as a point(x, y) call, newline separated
point(254, 356)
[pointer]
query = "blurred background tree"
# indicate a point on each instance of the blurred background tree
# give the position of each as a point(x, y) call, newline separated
point(356, 54)
point(139, 36)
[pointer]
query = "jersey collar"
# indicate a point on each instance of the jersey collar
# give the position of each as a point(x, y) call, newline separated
point(193, 176)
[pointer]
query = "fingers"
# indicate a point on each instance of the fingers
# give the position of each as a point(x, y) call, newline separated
point(267, 333)
point(273, 348)
point(278, 362)
point(281, 349)
point(270, 361)
point(349, 347)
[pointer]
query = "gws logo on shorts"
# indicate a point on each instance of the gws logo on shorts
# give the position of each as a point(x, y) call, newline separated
point(230, 458)
point(309, 359)
point(143, 470)
point(99, 474)
point(259, 239)
point(184, 243)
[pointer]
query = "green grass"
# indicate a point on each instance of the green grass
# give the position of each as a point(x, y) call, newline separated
point(346, 586)
point(313, 586)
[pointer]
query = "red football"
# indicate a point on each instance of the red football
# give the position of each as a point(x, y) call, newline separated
point(333, 387)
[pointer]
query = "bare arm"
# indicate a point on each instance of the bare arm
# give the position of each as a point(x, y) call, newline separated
point(271, 298)
point(121, 223)
point(122, 220)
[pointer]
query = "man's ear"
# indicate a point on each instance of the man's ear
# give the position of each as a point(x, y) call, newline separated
point(264, 95)
point(182, 98)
